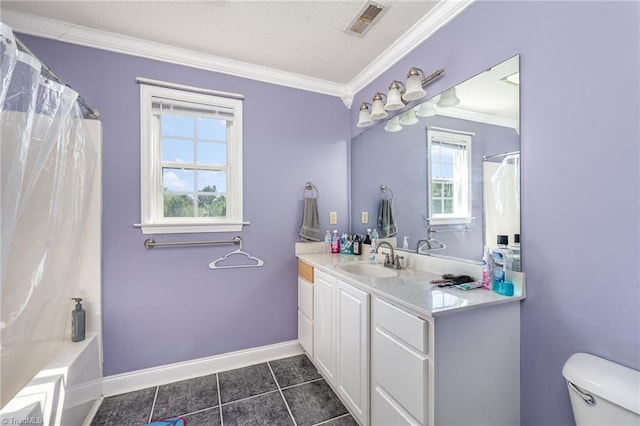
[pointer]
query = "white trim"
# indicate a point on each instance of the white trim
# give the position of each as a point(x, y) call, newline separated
point(479, 117)
point(184, 87)
point(439, 16)
point(156, 376)
point(84, 36)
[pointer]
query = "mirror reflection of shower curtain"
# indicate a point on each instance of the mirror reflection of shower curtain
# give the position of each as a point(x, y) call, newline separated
point(501, 198)
point(47, 162)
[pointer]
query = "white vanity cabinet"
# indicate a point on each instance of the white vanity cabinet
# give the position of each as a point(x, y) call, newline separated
point(341, 341)
point(400, 366)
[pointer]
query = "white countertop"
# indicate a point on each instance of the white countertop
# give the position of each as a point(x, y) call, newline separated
point(411, 287)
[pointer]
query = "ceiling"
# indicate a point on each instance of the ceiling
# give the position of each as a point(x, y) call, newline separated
point(303, 40)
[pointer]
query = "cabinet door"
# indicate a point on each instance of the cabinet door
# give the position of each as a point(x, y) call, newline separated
point(353, 349)
point(324, 349)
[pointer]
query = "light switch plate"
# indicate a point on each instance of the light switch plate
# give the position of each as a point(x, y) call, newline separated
point(365, 217)
point(333, 218)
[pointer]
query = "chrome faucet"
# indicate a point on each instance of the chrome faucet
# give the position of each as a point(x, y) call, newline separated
point(394, 260)
point(423, 240)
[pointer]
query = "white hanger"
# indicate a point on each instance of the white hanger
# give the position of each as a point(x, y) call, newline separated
point(213, 265)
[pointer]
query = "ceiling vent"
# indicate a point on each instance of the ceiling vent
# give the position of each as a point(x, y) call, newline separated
point(367, 16)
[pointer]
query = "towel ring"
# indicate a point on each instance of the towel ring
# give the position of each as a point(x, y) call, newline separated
point(384, 189)
point(311, 187)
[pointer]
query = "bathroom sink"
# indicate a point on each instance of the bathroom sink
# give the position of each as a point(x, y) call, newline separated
point(368, 270)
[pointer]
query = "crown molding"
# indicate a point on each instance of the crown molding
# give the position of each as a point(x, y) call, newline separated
point(89, 37)
point(441, 14)
point(480, 117)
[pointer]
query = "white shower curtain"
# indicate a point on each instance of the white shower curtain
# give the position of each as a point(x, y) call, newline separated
point(46, 164)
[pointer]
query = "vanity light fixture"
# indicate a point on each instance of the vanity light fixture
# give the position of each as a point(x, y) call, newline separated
point(398, 96)
point(364, 118)
point(377, 108)
point(394, 96)
point(393, 125)
point(448, 98)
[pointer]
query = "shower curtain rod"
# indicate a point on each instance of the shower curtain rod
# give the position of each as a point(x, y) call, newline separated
point(504, 154)
point(48, 73)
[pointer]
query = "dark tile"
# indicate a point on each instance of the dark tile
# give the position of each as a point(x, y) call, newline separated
point(313, 403)
point(209, 417)
point(245, 382)
point(186, 396)
point(267, 409)
point(129, 408)
point(342, 421)
point(294, 370)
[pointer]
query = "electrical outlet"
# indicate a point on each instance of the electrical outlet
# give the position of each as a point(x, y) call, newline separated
point(333, 218)
point(365, 217)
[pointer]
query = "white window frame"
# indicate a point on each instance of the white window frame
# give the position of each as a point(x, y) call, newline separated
point(463, 139)
point(152, 196)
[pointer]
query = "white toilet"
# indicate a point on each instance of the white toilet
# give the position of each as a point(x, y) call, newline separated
point(602, 392)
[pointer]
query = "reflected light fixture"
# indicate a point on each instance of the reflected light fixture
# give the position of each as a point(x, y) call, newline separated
point(426, 109)
point(377, 108)
point(394, 96)
point(413, 88)
point(364, 118)
point(409, 117)
point(393, 125)
point(448, 98)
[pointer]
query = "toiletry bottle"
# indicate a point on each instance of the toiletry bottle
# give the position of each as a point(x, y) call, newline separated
point(405, 243)
point(327, 242)
point(501, 263)
point(372, 249)
point(357, 245)
point(335, 242)
point(367, 239)
point(77, 321)
point(487, 274)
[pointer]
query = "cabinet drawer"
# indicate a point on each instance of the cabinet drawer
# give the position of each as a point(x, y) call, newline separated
point(305, 298)
point(401, 373)
point(305, 271)
point(305, 333)
point(384, 412)
point(405, 326)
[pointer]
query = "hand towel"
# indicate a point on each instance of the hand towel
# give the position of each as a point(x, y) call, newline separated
point(310, 230)
point(387, 219)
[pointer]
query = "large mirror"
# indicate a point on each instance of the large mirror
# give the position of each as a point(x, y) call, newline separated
point(450, 165)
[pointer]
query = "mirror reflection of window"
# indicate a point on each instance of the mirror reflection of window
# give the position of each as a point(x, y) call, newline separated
point(449, 174)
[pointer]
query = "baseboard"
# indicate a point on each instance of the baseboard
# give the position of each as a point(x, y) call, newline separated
point(156, 376)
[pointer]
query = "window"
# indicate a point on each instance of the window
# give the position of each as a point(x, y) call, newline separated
point(191, 161)
point(449, 183)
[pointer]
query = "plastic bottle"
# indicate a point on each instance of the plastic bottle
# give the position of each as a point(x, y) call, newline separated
point(367, 239)
point(502, 267)
point(77, 321)
point(327, 242)
point(372, 249)
point(487, 273)
point(405, 243)
point(335, 242)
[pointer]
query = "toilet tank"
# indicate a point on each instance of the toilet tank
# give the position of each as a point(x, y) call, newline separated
point(602, 392)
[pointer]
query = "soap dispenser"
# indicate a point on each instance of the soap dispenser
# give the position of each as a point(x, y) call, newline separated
point(77, 321)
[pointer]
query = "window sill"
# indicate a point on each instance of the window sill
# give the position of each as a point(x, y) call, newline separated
point(174, 228)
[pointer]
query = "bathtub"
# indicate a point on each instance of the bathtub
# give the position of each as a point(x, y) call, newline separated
point(66, 392)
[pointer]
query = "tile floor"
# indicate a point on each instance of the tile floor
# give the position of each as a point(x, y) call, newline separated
point(287, 391)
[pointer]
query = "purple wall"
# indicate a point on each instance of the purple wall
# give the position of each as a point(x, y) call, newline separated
point(580, 229)
point(164, 305)
point(580, 72)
